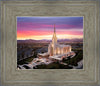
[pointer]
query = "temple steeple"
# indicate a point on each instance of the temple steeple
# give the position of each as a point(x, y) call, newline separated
point(54, 38)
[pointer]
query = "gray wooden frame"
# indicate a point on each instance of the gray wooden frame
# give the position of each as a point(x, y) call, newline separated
point(87, 76)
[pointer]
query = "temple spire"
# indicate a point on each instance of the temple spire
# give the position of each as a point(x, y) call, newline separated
point(54, 38)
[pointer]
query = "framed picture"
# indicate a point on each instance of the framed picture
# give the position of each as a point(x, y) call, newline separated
point(50, 43)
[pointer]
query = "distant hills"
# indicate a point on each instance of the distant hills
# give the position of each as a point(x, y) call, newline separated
point(47, 41)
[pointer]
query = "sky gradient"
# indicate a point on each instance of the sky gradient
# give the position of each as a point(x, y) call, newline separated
point(39, 28)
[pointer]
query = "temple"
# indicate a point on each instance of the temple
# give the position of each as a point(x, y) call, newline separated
point(55, 49)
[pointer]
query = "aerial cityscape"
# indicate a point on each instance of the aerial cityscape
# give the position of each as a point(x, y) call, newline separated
point(49, 42)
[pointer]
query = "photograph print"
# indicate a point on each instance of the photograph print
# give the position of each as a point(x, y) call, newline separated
point(50, 42)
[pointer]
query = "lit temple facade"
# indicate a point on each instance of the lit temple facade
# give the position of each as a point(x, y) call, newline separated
point(56, 49)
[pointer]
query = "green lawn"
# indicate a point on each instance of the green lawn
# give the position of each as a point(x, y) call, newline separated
point(25, 61)
point(54, 65)
point(74, 60)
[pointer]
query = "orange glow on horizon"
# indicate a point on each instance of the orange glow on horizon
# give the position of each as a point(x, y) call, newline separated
point(49, 37)
point(39, 35)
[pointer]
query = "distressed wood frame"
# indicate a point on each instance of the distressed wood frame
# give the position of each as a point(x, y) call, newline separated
point(87, 76)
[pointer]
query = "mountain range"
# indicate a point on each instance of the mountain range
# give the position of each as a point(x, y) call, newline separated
point(47, 41)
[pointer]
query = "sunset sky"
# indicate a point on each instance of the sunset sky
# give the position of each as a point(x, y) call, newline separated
point(39, 28)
